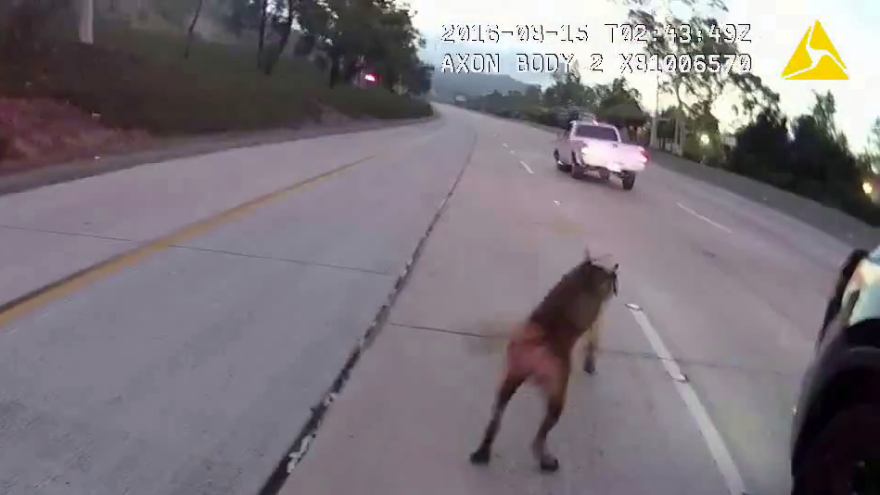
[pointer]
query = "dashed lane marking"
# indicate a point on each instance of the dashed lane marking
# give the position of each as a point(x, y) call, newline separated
point(707, 220)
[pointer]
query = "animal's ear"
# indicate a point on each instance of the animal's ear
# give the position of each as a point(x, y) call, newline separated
point(616, 266)
point(587, 254)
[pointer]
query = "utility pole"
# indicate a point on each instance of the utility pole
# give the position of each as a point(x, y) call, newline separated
point(85, 27)
point(655, 120)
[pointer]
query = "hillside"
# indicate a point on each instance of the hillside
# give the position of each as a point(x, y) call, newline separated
point(62, 100)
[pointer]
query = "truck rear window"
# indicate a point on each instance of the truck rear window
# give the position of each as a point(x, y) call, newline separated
point(596, 132)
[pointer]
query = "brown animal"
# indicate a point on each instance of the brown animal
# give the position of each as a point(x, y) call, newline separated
point(540, 349)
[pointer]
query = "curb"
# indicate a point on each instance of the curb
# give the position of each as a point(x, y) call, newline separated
point(176, 148)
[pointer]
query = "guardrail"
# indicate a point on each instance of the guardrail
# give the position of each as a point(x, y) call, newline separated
point(835, 223)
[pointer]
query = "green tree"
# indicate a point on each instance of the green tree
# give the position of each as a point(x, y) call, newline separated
point(393, 44)
point(417, 78)
point(762, 150)
point(756, 97)
point(29, 26)
point(814, 163)
point(823, 113)
point(696, 90)
point(533, 95)
point(374, 32)
point(313, 19)
point(619, 104)
point(874, 137)
point(567, 89)
point(870, 158)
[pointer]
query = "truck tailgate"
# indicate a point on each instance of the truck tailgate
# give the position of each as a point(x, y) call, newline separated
point(614, 156)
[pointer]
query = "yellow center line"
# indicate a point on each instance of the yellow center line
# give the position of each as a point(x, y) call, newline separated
point(31, 302)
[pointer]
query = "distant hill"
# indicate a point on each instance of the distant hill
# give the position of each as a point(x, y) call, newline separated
point(447, 85)
point(474, 84)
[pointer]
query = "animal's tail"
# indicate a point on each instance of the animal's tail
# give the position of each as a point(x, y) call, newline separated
point(493, 336)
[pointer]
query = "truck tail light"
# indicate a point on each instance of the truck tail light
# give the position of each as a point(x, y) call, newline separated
point(645, 155)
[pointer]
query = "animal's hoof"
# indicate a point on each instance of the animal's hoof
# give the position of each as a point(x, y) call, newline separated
point(590, 367)
point(480, 457)
point(549, 464)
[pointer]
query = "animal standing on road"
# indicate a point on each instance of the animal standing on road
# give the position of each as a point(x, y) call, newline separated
point(540, 349)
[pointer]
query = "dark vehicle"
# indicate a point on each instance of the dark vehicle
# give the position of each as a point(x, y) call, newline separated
point(835, 442)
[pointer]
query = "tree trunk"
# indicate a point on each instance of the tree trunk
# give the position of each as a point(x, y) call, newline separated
point(86, 13)
point(390, 80)
point(678, 133)
point(264, 17)
point(334, 70)
point(192, 28)
point(350, 71)
point(282, 43)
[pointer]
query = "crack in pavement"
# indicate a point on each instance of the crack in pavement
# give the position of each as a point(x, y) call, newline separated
point(285, 260)
point(59, 232)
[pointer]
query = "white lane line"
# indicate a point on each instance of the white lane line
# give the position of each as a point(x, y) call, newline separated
point(701, 217)
point(504, 144)
point(526, 166)
point(717, 447)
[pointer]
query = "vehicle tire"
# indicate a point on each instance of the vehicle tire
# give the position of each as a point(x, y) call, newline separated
point(628, 181)
point(576, 172)
point(562, 167)
point(845, 450)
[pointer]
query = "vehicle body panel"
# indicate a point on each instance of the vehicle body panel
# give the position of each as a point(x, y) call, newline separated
point(847, 346)
point(596, 145)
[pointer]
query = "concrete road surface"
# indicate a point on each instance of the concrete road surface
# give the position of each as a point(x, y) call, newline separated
point(235, 286)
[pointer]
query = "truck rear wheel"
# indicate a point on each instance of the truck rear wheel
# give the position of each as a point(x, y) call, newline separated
point(628, 180)
point(575, 168)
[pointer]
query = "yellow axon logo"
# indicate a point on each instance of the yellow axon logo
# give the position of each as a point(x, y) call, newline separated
point(815, 59)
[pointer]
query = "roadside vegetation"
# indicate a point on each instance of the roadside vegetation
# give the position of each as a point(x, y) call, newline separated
point(279, 63)
point(806, 155)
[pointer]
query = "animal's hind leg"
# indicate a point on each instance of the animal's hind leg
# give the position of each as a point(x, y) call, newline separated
point(555, 386)
point(509, 386)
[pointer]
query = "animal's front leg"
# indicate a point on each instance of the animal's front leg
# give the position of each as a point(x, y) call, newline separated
point(592, 345)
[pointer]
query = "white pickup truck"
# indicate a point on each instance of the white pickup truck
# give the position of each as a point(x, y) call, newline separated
point(591, 146)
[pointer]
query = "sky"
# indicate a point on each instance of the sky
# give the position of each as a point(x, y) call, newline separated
point(776, 29)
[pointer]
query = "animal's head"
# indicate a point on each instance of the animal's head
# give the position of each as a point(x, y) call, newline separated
point(599, 276)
